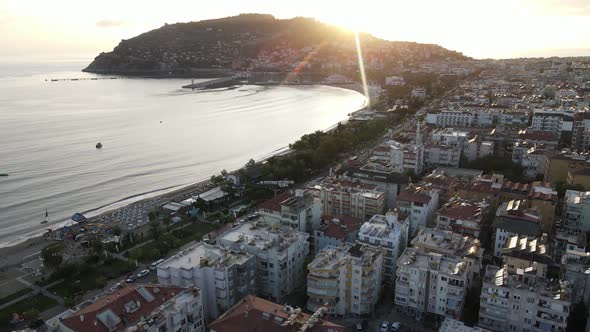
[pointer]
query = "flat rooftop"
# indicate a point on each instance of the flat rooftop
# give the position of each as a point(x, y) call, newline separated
point(448, 242)
point(263, 236)
point(453, 267)
point(202, 255)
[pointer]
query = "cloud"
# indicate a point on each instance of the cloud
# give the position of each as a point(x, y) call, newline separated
point(109, 23)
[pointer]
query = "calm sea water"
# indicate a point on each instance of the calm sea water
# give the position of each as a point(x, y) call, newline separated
point(154, 134)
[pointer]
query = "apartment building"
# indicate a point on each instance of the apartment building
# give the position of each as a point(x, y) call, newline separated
point(149, 307)
point(576, 216)
point(553, 121)
point(576, 265)
point(449, 118)
point(538, 195)
point(442, 155)
point(419, 203)
point(514, 218)
point(451, 244)
point(463, 216)
point(380, 173)
point(390, 233)
point(523, 252)
point(402, 157)
point(559, 166)
point(253, 314)
point(431, 283)
point(345, 280)
point(280, 255)
point(581, 131)
point(336, 231)
point(351, 198)
point(299, 210)
point(476, 148)
point(222, 275)
point(523, 301)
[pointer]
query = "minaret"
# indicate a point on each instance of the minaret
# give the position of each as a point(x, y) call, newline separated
point(418, 134)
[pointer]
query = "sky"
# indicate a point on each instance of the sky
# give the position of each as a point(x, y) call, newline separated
point(480, 29)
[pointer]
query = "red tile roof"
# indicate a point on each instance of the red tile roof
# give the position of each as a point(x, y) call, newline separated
point(413, 197)
point(336, 231)
point(84, 319)
point(538, 136)
point(462, 209)
point(274, 204)
point(253, 314)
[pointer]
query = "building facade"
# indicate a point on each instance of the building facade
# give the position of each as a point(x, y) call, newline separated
point(419, 203)
point(280, 255)
point(351, 198)
point(224, 276)
point(390, 233)
point(523, 301)
point(345, 280)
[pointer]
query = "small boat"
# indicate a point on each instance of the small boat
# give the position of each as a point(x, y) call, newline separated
point(46, 220)
point(99, 145)
point(3, 174)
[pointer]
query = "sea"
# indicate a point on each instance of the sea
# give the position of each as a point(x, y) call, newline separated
point(155, 136)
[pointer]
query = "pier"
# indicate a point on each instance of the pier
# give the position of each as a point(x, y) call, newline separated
point(81, 79)
point(216, 83)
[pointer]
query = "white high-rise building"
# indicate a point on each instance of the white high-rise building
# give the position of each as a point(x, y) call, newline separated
point(420, 203)
point(224, 276)
point(346, 280)
point(431, 283)
point(390, 233)
point(523, 301)
point(280, 254)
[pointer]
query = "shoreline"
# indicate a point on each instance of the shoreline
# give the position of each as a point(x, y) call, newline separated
point(35, 239)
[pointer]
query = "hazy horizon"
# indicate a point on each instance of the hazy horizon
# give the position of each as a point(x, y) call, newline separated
point(502, 29)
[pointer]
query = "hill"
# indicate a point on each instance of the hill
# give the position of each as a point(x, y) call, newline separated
point(255, 42)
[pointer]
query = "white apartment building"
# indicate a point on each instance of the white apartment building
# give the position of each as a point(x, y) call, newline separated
point(449, 136)
point(451, 244)
point(420, 203)
point(475, 149)
point(523, 301)
point(431, 283)
point(463, 216)
point(514, 218)
point(390, 233)
point(336, 231)
point(419, 93)
point(531, 157)
point(514, 118)
point(280, 255)
point(224, 276)
point(448, 118)
point(149, 307)
point(351, 198)
point(552, 121)
point(442, 155)
point(346, 280)
point(402, 157)
point(577, 265)
point(299, 210)
point(379, 173)
point(577, 211)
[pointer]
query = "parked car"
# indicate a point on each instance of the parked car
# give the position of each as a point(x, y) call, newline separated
point(143, 273)
point(384, 327)
point(359, 327)
point(130, 278)
point(395, 326)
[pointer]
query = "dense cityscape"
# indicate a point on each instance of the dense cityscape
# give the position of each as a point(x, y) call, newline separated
point(457, 200)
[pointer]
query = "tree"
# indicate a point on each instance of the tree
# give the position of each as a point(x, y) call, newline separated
point(577, 318)
point(155, 230)
point(97, 247)
point(117, 230)
point(251, 163)
point(31, 314)
point(52, 256)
